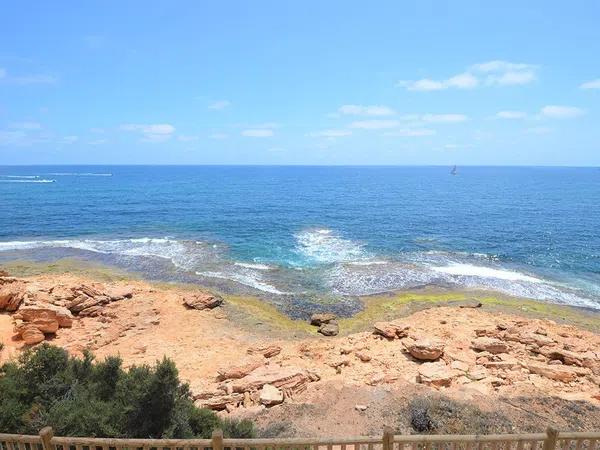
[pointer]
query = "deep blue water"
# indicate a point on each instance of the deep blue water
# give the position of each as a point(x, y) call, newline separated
point(318, 231)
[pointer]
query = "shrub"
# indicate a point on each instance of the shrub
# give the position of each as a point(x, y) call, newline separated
point(80, 397)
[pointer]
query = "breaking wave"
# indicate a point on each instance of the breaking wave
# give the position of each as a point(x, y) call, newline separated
point(247, 279)
point(323, 246)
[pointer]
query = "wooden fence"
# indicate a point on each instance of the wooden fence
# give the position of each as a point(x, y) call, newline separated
point(551, 440)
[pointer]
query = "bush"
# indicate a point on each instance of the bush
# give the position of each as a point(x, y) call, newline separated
point(80, 397)
point(439, 415)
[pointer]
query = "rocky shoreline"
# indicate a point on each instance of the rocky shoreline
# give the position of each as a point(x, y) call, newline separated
point(461, 350)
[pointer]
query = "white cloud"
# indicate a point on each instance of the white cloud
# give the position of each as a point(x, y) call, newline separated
point(593, 84)
point(444, 118)
point(13, 138)
point(218, 136)
point(151, 132)
point(372, 110)
point(491, 73)
point(97, 142)
point(539, 130)
point(561, 112)
point(258, 132)
point(219, 105)
point(331, 133)
point(375, 124)
point(511, 115)
point(411, 132)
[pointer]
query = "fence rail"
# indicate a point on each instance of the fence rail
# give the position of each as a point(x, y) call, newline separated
point(551, 440)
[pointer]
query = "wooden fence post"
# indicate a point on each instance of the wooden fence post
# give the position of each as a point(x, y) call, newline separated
point(217, 439)
point(47, 434)
point(551, 437)
point(388, 438)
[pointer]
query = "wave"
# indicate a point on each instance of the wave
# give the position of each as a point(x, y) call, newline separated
point(14, 180)
point(79, 174)
point(245, 279)
point(485, 272)
point(183, 254)
point(324, 246)
point(256, 266)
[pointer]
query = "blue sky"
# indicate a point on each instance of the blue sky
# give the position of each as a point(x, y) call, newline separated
point(300, 82)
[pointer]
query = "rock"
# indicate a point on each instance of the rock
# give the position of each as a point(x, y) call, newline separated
point(12, 293)
point(477, 373)
point(119, 292)
point(436, 374)
point(363, 356)
point(285, 378)
point(460, 365)
point(31, 335)
point(239, 371)
point(561, 373)
point(425, 350)
point(4, 273)
point(87, 306)
point(469, 304)
point(270, 395)
point(202, 300)
point(268, 351)
point(488, 344)
point(391, 330)
point(221, 402)
point(329, 329)
point(319, 319)
point(29, 313)
point(360, 407)
point(45, 325)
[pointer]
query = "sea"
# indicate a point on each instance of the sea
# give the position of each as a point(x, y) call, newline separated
point(304, 236)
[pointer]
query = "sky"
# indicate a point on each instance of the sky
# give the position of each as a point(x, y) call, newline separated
point(300, 82)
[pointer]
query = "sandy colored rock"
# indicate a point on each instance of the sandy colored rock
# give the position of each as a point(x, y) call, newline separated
point(436, 374)
point(270, 395)
point(319, 319)
point(12, 293)
point(63, 316)
point(239, 371)
point(329, 329)
point(554, 372)
point(268, 351)
point(202, 300)
point(425, 349)
point(291, 378)
point(488, 344)
point(31, 335)
point(391, 330)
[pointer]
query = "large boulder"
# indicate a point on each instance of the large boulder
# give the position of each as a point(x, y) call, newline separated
point(329, 329)
point(425, 349)
point(31, 335)
point(270, 395)
point(319, 319)
point(489, 344)
point(391, 330)
point(202, 300)
point(30, 313)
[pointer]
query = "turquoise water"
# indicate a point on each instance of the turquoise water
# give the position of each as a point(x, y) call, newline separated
point(299, 234)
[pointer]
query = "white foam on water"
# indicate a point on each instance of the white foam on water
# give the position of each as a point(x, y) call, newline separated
point(15, 180)
point(247, 279)
point(182, 254)
point(485, 272)
point(79, 174)
point(368, 263)
point(20, 176)
point(256, 266)
point(326, 247)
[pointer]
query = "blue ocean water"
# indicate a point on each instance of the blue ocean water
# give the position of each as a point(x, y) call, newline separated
point(309, 232)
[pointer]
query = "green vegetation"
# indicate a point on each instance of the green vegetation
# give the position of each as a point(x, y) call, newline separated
point(80, 397)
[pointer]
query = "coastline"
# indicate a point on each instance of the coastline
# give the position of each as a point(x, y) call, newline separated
point(225, 352)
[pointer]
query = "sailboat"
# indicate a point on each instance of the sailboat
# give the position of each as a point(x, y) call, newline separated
point(453, 171)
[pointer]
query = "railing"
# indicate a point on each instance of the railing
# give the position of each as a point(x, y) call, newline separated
point(551, 440)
